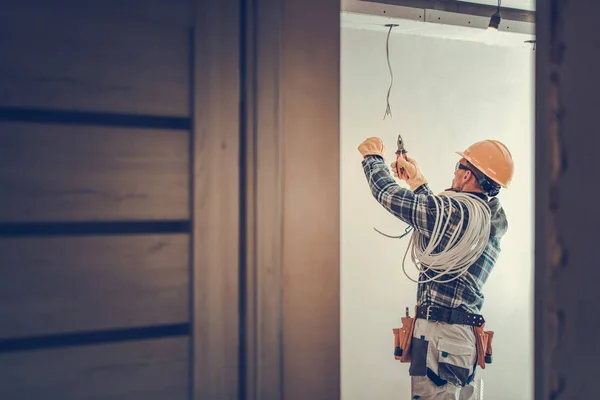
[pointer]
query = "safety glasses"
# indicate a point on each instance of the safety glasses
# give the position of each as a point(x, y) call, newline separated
point(461, 166)
point(464, 167)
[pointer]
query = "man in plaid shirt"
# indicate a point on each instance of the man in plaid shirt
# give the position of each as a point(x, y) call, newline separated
point(444, 350)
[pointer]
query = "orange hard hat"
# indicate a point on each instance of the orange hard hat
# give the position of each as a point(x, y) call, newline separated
point(493, 159)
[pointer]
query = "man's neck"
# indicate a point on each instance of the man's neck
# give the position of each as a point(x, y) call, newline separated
point(472, 189)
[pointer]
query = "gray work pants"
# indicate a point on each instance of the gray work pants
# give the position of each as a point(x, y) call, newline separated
point(443, 352)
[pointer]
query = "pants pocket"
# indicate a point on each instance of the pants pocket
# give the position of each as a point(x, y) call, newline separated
point(418, 364)
point(422, 387)
point(456, 361)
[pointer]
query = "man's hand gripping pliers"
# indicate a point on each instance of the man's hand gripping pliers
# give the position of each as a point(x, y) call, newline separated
point(401, 152)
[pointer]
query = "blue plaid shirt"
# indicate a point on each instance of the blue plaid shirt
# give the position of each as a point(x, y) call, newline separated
point(418, 210)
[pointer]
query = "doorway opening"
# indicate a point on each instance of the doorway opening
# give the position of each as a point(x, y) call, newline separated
point(451, 85)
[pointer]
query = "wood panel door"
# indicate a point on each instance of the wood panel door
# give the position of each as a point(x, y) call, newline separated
point(118, 220)
point(169, 199)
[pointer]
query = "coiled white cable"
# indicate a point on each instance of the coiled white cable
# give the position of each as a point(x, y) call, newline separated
point(461, 251)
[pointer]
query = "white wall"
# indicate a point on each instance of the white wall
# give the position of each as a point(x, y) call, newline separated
point(447, 94)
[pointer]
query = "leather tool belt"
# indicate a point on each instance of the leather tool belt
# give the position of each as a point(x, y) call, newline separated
point(484, 346)
point(403, 336)
point(403, 339)
point(449, 316)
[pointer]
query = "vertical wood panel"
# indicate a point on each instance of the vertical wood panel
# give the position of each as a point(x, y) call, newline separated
point(543, 326)
point(571, 142)
point(311, 92)
point(144, 370)
point(293, 200)
point(249, 324)
point(264, 335)
point(216, 192)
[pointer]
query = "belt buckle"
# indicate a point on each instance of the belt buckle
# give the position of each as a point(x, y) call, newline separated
point(428, 314)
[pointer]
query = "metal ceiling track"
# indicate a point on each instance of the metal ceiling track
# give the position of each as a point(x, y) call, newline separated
point(450, 12)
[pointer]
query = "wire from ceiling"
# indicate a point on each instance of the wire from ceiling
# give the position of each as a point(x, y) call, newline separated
point(388, 109)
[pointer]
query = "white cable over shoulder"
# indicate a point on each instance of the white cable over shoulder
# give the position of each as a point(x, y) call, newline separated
point(461, 251)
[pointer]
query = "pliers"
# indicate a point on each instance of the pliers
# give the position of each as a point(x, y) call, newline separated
point(401, 152)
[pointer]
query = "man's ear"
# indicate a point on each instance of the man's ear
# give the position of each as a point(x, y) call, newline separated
point(470, 175)
point(467, 175)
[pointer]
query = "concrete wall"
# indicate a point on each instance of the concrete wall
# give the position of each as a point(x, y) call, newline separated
point(447, 94)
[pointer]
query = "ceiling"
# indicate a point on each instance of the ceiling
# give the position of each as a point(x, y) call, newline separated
point(519, 4)
point(369, 15)
point(476, 32)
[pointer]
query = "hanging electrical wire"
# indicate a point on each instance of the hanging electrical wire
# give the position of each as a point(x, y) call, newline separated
point(407, 230)
point(388, 110)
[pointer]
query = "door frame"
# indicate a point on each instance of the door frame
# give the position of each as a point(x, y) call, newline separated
point(269, 95)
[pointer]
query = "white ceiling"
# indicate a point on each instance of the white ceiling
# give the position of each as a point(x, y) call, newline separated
point(443, 31)
point(367, 15)
point(519, 4)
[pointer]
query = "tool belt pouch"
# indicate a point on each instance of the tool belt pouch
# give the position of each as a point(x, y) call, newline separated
point(484, 346)
point(403, 339)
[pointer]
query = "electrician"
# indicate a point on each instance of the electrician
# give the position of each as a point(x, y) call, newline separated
point(444, 346)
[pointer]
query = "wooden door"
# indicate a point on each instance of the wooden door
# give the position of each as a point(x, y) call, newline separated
point(169, 199)
point(116, 247)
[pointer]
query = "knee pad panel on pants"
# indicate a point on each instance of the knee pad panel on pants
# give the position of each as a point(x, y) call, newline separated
point(455, 361)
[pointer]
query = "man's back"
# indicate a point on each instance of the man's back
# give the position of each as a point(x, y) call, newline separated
point(466, 292)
